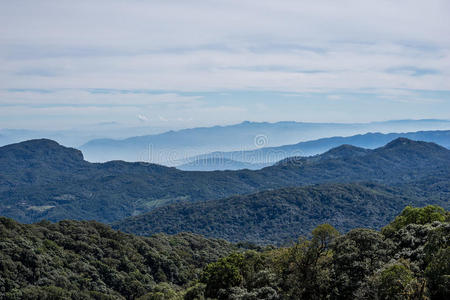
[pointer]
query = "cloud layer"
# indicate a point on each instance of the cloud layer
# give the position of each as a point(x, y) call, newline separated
point(176, 47)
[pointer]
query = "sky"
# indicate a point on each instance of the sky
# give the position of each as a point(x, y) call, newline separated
point(175, 64)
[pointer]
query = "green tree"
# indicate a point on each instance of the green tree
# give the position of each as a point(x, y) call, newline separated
point(305, 266)
point(415, 215)
point(162, 291)
point(322, 237)
point(223, 274)
point(41, 293)
point(195, 292)
point(438, 274)
point(398, 282)
point(357, 255)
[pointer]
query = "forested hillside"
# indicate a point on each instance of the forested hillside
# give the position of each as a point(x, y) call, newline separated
point(408, 259)
point(280, 216)
point(43, 180)
point(88, 260)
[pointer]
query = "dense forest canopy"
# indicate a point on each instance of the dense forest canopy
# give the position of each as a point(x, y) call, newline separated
point(408, 259)
point(281, 215)
point(84, 260)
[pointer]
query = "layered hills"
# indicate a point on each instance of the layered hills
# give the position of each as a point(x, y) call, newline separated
point(216, 163)
point(270, 155)
point(43, 180)
point(169, 147)
point(347, 187)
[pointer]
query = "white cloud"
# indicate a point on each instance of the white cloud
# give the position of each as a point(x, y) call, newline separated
point(204, 45)
point(93, 98)
point(290, 46)
point(142, 118)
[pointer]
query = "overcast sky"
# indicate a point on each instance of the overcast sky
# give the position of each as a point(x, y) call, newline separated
point(188, 63)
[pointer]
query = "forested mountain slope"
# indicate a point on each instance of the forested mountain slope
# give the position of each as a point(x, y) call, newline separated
point(43, 180)
point(279, 216)
point(408, 259)
point(88, 260)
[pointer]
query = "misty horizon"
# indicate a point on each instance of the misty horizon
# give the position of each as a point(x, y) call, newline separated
point(174, 64)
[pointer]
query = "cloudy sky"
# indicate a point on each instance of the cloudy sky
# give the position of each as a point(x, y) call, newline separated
point(189, 63)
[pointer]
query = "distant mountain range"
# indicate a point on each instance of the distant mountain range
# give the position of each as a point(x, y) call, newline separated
point(266, 156)
point(42, 180)
point(170, 147)
point(217, 163)
point(76, 136)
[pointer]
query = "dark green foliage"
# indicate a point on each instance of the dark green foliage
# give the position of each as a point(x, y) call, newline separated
point(85, 260)
point(362, 264)
point(438, 273)
point(88, 260)
point(224, 274)
point(307, 262)
point(240, 276)
point(282, 215)
point(43, 180)
point(44, 293)
point(415, 215)
point(396, 282)
point(162, 291)
point(437, 260)
point(195, 292)
point(356, 256)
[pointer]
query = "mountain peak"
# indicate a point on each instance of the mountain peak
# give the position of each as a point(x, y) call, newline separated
point(40, 149)
point(345, 151)
point(402, 143)
point(403, 149)
point(399, 142)
point(39, 142)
